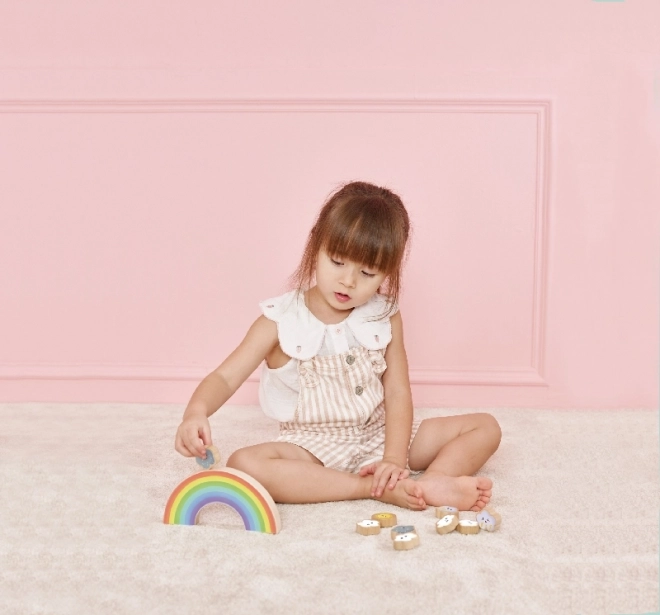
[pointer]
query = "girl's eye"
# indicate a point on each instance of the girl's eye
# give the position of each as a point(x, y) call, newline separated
point(334, 261)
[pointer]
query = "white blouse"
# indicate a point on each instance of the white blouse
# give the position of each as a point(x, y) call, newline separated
point(303, 336)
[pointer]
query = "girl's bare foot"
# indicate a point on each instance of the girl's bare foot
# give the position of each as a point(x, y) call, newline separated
point(406, 494)
point(464, 492)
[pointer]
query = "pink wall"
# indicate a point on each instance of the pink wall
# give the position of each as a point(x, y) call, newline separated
point(163, 163)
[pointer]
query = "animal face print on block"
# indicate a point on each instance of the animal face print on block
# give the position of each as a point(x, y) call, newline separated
point(402, 529)
point(443, 511)
point(447, 524)
point(489, 520)
point(368, 527)
point(385, 519)
point(406, 541)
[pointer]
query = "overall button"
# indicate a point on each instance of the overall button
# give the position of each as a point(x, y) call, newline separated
point(350, 359)
point(359, 390)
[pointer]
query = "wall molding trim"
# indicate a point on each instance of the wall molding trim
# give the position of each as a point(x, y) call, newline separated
point(170, 373)
point(274, 105)
point(531, 375)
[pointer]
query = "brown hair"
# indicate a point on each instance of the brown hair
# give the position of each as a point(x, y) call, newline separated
point(363, 223)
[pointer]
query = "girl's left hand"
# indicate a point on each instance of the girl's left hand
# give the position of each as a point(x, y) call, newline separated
point(386, 474)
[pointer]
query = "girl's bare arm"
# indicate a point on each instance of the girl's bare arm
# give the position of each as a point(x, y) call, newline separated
point(194, 432)
point(224, 381)
point(398, 397)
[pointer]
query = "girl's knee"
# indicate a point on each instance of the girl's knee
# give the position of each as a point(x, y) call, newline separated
point(237, 459)
point(253, 457)
point(490, 424)
point(245, 459)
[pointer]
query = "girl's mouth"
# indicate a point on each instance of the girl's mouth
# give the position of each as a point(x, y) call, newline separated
point(341, 297)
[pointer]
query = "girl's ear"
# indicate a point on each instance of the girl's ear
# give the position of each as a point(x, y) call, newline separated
point(383, 284)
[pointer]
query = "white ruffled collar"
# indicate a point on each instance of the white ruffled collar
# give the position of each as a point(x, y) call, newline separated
point(301, 334)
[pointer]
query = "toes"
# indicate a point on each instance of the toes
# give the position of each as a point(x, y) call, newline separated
point(416, 493)
point(414, 503)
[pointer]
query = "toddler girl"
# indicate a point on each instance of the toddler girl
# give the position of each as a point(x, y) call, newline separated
point(335, 376)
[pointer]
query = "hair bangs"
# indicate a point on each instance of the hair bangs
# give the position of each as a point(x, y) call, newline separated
point(364, 235)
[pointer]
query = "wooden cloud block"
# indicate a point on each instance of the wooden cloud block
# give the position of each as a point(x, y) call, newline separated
point(368, 527)
point(212, 458)
point(467, 526)
point(402, 529)
point(404, 542)
point(443, 511)
point(447, 524)
point(385, 519)
point(489, 520)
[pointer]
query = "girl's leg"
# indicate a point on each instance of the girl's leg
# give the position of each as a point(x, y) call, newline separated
point(451, 449)
point(292, 475)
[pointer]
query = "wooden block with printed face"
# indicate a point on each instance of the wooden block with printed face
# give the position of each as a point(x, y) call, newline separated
point(404, 542)
point(489, 520)
point(402, 529)
point(467, 526)
point(368, 527)
point(385, 519)
point(443, 511)
point(447, 524)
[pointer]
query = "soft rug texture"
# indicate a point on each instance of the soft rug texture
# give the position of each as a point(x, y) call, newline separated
point(84, 489)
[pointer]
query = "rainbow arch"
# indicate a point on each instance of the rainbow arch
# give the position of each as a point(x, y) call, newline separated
point(238, 490)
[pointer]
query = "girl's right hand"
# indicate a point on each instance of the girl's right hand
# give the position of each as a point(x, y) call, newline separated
point(192, 436)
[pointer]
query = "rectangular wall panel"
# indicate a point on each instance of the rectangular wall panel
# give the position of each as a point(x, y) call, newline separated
point(153, 229)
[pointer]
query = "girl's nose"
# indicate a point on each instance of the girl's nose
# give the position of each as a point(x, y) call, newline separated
point(349, 278)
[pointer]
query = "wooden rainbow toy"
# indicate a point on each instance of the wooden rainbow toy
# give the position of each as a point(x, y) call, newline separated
point(227, 486)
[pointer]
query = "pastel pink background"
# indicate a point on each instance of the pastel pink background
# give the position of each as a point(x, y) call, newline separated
point(162, 163)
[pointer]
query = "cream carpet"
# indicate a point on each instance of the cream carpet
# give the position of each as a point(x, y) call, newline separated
point(84, 489)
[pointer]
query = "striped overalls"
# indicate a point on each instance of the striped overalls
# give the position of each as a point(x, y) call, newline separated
point(339, 413)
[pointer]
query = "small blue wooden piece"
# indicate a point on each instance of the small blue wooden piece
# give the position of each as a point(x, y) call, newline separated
point(208, 462)
point(402, 529)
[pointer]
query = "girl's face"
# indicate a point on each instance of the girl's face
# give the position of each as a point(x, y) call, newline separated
point(345, 284)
